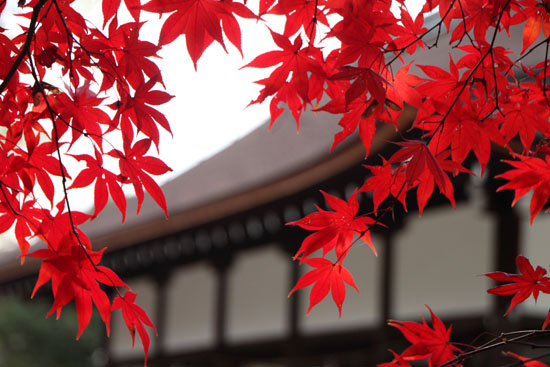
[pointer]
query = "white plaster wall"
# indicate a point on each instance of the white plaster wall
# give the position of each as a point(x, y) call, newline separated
point(438, 260)
point(536, 247)
point(258, 285)
point(359, 310)
point(190, 307)
point(120, 342)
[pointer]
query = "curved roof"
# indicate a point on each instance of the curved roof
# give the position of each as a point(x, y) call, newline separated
point(260, 168)
point(257, 169)
point(254, 162)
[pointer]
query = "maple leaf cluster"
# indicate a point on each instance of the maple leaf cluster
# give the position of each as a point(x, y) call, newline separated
point(522, 286)
point(99, 106)
point(336, 231)
point(432, 343)
point(527, 362)
point(71, 90)
point(487, 97)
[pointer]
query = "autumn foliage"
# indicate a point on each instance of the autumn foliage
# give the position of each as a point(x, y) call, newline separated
point(100, 108)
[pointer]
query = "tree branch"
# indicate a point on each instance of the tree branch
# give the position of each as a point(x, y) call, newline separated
point(26, 46)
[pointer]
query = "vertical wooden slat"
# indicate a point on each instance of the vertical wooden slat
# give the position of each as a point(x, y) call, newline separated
point(161, 281)
point(221, 264)
point(387, 277)
point(507, 230)
point(506, 248)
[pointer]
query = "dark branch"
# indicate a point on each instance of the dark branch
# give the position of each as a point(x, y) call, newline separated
point(24, 51)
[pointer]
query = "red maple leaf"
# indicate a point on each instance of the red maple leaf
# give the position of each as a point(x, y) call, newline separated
point(529, 283)
point(136, 167)
point(24, 217)
point(427, 342)
point(525, 117)
point(476, 16)
point(75, 274)
point(362, 31)
point(529, 173)
point(138, 110)
point(527, 362)
point(386, 181)
point(294, 60)
point(135, 318)
point(132, 54)
point(359, 113)
point(444, 86)
point(422, 167)
point(364, 79)
point(464, 131)
point(41, 163)
point(327, 276)
point(300, 13)
point(81, 108)
point(335, 229)
point(288, 94)
point(403, 87)
point(110, 9)
point(103, 179)
point(201, 22)
point(397, 361)
point(409, 37)
point(537, 16)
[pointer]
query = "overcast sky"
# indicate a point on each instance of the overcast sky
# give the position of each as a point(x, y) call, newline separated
point(209, 111)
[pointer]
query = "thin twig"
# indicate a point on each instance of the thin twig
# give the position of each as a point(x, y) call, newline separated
point(401, 50)
point(474, 69)
point(24, 51)
point(52, 114)
point(503, 341)
point(313, 23)
point(466, 33)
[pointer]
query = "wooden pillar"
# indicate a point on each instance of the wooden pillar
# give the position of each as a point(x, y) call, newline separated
point(221, 263)
point(379, 353)
point(387, 273)
point(292, 342)
point(387, 278)
point(506, 246)
point(161, 279)
point(506, 232)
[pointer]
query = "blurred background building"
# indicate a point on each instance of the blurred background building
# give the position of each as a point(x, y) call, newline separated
point(215, 276)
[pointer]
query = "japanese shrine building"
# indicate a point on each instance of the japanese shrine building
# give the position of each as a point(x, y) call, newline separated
point(215, 276)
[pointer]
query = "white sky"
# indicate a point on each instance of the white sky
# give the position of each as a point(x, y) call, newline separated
point(209, 111)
